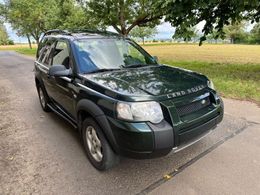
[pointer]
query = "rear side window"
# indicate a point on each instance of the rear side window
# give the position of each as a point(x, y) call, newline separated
point(45, 51)
point(40, 46)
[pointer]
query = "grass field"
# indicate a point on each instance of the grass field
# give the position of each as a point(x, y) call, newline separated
point(235, 69)
point(219, 53)
point(21, 48)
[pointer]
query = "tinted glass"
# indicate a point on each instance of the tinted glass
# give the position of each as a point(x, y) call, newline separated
point(45, 51)
point(94, 54)
point(41, 45)
point(61, 54)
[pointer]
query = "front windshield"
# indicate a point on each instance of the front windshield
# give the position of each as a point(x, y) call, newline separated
point(95, 54)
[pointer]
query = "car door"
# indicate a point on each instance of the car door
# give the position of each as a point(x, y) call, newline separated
point(43, 63)
point(63, 87)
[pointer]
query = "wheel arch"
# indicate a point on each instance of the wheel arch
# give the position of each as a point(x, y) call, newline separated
point(86, 108)
point(37, 82)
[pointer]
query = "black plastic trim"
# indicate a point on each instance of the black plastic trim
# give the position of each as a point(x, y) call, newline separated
point(163, 135)
point(68, 119)
point(94, 111)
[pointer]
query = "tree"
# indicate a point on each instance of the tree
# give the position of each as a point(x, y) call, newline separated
point(123, 15)
point(4, 38)
point(255, 34)
point(213, 36)
point(3, 35)
point(143, 32)
point(28, 16)
point(183, 14)
point(236, 32)
point(33, 17)
point(190, 34)
point(69, 15)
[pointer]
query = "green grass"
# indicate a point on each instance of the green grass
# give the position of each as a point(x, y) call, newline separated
point(20, 48)
point(26, 51)
point(240, 81)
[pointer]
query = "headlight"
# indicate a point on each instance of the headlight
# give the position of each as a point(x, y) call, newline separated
point(211, 85)
point(140, 111)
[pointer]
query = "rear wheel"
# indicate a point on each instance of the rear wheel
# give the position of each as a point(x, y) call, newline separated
point(98, 150)
point(43, 99)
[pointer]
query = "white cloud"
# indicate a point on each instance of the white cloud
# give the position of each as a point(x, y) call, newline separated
point(165, 27)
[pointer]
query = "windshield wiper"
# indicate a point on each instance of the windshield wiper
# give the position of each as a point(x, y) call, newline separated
point(102, 70)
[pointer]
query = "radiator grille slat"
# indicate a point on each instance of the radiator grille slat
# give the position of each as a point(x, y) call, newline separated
point(193, 107)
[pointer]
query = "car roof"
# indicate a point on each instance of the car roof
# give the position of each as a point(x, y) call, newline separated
point(80, 34)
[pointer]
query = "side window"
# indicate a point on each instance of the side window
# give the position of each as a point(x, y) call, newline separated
point(42, 54)
point(45, 51)
point(41, 45)
point(132, 51)
point(61, 54)
point(131, 54)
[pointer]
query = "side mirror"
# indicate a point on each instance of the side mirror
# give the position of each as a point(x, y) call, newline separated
point(156, 58)
point(59, 71)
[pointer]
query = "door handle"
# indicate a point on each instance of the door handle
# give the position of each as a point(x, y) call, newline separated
point(50, 77)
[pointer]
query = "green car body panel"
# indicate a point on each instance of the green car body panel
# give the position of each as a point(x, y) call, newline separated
point(172, 88)
point(190, 108)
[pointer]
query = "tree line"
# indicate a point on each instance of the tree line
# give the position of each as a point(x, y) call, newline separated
point(30, 18)
point(236, 33)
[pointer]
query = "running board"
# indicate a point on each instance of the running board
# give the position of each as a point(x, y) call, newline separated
point(63, 115)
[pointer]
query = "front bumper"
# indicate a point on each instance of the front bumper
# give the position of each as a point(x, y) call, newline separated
point(147, 140)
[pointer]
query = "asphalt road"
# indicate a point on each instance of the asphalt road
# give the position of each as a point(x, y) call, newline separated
point(41, 153)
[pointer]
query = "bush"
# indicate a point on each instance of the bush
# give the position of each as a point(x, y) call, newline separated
point(10, 42)
point(7, 42)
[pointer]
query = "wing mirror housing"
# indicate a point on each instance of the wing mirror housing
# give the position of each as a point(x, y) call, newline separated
point(156, 58)
point(60, 71)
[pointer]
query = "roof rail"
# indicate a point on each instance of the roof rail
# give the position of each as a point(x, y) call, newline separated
point(56, 31)
point(94, 31)
point(90, 31)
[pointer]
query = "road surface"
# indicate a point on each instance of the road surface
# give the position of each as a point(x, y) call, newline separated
point(41, 153)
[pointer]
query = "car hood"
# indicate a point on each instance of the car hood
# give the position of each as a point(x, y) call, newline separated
point(151, 80)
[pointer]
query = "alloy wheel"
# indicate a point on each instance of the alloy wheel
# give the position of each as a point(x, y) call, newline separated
point(42, 98)
point(94, 144)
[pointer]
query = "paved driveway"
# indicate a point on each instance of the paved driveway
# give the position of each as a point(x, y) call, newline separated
point(41, 153)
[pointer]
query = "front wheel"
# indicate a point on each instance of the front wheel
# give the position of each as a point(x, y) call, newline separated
point(98, 150)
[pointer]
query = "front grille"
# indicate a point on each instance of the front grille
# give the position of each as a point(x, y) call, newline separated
point(193, 107)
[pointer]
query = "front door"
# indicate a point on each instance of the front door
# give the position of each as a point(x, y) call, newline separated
point(63, 93)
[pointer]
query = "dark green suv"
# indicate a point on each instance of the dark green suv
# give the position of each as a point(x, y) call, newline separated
point(120, 99)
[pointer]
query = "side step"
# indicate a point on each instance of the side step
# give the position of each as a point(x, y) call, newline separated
point(63, 115)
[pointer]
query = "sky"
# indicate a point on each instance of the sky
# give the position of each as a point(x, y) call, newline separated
point(164, 31)
point(13, 36)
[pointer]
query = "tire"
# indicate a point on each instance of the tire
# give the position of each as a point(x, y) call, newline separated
point(43, 99)
point(98, 150)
